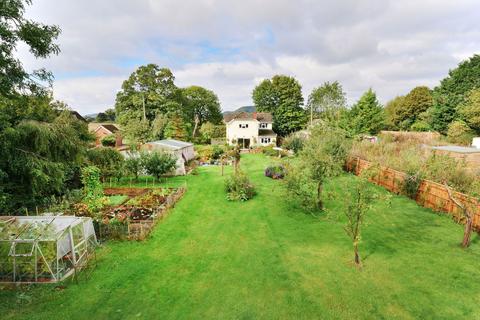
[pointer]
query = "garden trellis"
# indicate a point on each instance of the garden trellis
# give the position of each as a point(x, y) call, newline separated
point(44, 248)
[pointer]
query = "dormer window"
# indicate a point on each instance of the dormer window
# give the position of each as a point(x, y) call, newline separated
point(263, 125)
point(243, 125)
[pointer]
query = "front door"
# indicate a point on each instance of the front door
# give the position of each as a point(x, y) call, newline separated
point(244, 143)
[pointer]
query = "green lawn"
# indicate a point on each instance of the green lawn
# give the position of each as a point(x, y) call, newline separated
point(265, 259)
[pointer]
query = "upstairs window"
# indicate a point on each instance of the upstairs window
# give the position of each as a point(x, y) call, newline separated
point(263, 125)
point(243, 125)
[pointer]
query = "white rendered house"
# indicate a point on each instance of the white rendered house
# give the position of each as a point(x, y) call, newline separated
point(250, 129)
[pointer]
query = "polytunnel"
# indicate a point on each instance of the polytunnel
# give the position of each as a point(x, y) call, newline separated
point(43, 249)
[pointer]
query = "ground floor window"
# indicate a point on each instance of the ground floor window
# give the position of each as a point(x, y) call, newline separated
point(265, 140)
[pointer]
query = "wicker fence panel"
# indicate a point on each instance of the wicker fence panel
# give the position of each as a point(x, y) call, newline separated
point(430, 194)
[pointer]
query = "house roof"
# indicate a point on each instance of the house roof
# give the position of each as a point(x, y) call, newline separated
point(109, 126)
point(171, 144)
point(259, 116)
point(266, 133)
point(77, 115)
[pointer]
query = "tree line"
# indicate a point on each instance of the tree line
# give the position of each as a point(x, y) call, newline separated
point(44, 147)
point(452, 108)
point(150, 106)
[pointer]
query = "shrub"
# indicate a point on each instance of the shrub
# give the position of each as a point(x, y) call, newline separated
point(205, 153)
point(217, 152)
point(275, 172)
point(109, 141)
point(239, 187)
point(412, 183)
point(323, 157)
point(420, 126)
point(133, 165)
point(210, 131)
point(108, 160)
point(268, 151)
point(459, 132)
point(300, 185)
point(158, 163)
point(294, 142)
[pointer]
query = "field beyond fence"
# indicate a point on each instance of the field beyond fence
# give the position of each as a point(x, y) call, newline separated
point(429, 195)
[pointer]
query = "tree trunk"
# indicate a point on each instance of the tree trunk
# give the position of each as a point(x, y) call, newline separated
point(195, 126)
point(467, 233)
point(222, 167)
point(357, 256)
point(319, 196)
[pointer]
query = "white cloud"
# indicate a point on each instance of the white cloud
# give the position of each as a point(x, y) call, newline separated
point(228, 46)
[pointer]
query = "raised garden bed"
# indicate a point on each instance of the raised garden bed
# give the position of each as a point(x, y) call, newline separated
point(135, 218)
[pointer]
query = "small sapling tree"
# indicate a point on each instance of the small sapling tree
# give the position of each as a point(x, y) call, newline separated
point(359, 200)
point(358, 204)
point(467, 213)
point(235, 154)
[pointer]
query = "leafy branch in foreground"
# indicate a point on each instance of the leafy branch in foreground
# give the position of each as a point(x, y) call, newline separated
point(39, 38)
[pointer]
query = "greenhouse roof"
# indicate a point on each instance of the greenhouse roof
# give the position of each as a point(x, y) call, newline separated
point(35, 227)
point(172, 144)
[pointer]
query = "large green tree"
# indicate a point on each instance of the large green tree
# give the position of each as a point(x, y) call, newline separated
point(175, 127)
point(453, 91)
point(40, 159)
point(367, 115)
point(402, 112)
point(108, 160)
point(201, 106)
point(42, 145)
point(106, 116)
point(282, 96)
point(265, 97)
point(135, 128)
point(151, 106)
point(327, 101)
point(149, 90)
point(39, 38)
point(391, 112)
point(470, 110)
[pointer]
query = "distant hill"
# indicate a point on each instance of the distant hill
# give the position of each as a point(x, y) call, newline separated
point(91, 116)
point(241, 109)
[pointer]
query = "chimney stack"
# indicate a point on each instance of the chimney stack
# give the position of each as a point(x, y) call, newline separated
point(255, 115)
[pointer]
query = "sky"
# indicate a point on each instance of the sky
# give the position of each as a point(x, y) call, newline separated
point(230, 46)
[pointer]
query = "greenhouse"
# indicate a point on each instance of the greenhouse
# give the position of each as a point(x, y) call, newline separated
point(44, 249)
